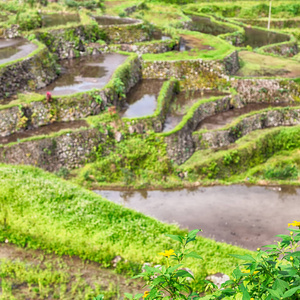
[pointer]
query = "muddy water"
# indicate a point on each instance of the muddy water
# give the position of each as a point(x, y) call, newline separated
point(109, 20)
point(158, 35)
point(226, 117)
point(182, 102)
point(84, 73)
point(205, 25)
point(241, 215)
point(258, 38)
point(142, 99)
point(59, 19)
point(44, 130)
point(12, 49)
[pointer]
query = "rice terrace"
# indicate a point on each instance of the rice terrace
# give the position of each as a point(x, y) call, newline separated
point(149, 149)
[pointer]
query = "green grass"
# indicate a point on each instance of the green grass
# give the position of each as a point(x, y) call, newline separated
point(259, 65)
point(248, 152)
point(41, 211)
point(220, 50)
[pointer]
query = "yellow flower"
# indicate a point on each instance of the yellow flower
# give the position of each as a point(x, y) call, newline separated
point(258, 249)
point(295, 223)
point(248, 271)
point(291, 258)
point(251, 298)
point(167, 253)
point(146, 293)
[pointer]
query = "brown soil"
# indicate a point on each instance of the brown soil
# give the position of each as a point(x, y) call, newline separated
point(195, 43)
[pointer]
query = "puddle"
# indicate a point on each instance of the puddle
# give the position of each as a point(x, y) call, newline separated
point(59, 19)
point(141, 100)
point(84, 74)
point(109, 20)
point(182, 103)
point(205, 25)
point(188, 42)
point(226, 117)
point(158, 35)
point(12, 49)
point(44, 130)
point(257, 38)
point(246, 216)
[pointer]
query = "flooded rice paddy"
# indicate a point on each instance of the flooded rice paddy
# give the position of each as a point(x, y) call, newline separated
point(257, 37)
point(109, 20)
point(205, 25)
point(44, 130)
point(51, 20)
point(12, 49)
point(84, 74)
point(182, 102)
point(141, 100)
point(238, 214)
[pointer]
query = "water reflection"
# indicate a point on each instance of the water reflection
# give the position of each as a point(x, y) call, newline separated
point(249, 216)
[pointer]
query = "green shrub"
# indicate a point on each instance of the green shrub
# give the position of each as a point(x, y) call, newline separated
point(282, 172)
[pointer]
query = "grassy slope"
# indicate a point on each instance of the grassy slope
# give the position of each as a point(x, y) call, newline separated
point(254, 64)
point(220, 49)
point(39, 210)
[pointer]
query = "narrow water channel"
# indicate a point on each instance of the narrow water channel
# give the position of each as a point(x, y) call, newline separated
point(248, 216)
point(221, 119)
point(84, 74)
point(12, 49)
point(141, 100)
point(44, 130)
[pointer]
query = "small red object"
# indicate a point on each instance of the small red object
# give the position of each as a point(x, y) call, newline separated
point(48, 97)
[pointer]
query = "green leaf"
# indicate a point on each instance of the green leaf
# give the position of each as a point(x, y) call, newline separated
point(129, 296)
point(281, 285)
point(275, 293)
point(194, 255)
point(291, 292)
point(177, 238)
point(184, 274)
point(138, 296)
point(172, 269)
point(243, 289)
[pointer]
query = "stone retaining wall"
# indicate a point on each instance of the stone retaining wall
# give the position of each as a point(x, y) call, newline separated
point(287, 49)
point(180, 143)
point(68, 108)
point(197, 68)
point(78, 41)
point(70, 150)
point(266, 90)
point(221, 138)
point(28, 74)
